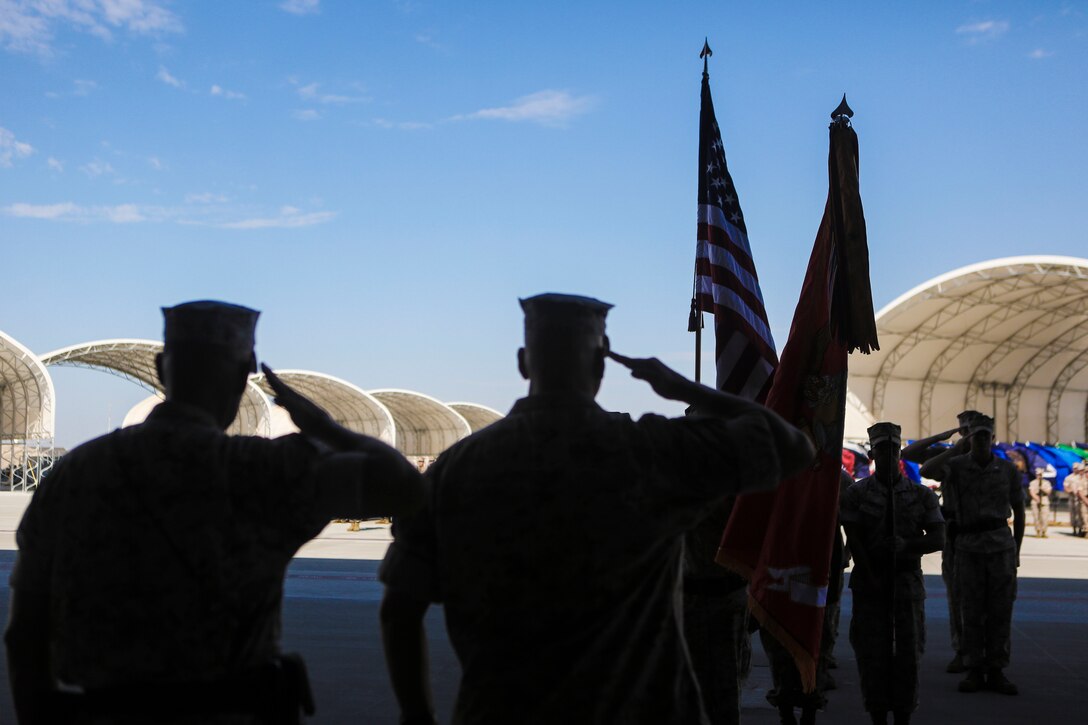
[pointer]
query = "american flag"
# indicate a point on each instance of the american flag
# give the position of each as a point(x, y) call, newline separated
point(725, 275)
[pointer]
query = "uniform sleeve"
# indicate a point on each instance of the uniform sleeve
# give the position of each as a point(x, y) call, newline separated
point(36, 535)
point(931, 509)
point(274, 483)
point(948, 490)
point(411, 562)
point(1016, 491)
point(706, 458)
point(849, 508)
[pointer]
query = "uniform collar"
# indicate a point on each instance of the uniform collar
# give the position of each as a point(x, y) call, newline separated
point(175, 412)
point(553, 401)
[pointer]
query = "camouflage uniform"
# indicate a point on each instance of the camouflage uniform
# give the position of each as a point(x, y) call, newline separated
point(715, 619)
point(163, 549)
point(888, 683)
point(553, 538)
point(986, 559)
point(1076, 483)
point(1040, 509)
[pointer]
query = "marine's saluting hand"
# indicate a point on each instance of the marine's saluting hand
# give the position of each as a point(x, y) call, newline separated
point(310, 417)
point(665, 381)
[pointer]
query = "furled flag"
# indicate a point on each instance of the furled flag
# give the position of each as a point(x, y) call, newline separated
point(725, 274)
point(781, 540)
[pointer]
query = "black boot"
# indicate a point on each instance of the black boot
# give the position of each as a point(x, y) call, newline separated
point(902, 717)
point(785, 715)
point(879, 717)
point(973, 682)
point(808, 716)
point(997, 682)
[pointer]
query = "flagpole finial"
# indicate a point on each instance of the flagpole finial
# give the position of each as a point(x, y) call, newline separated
point(842, 113)
point(706, 53)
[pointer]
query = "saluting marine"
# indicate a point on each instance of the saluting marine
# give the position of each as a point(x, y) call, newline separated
point(983, 490)
point(920, 452)
point(890, 523)
point(552, 538)
point(151, 561)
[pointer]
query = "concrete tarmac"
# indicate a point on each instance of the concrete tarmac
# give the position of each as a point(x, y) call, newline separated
point(332, 597)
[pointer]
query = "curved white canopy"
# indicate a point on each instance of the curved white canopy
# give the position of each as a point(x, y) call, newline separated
point(26, 393)
point(348, 405)
point(135, 360)
point(425, 426)
point(1008, 337)
point(27, 413)
point(477, 416)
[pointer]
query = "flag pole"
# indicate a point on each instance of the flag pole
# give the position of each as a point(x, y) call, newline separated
point(695, 316)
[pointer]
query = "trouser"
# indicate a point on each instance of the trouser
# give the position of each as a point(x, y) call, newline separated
point(1041, 512)
point(987, 583)
point(716, 630)
point(787, 690)
point(1076, 515)
point(831, 626)
point(948, 569)
point(888, 683)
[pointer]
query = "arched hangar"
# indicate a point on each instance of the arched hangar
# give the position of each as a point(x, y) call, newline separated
point(1008, 337)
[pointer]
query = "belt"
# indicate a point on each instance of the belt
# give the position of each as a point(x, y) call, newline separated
point(982, 526)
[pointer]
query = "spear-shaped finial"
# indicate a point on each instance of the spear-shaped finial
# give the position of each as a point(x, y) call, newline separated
point(706, 53)
point(842, 113)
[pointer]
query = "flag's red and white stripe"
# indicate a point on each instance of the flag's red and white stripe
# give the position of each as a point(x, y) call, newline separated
point(726, 283)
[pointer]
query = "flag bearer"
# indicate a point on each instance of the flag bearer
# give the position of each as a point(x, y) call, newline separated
point(890, 523)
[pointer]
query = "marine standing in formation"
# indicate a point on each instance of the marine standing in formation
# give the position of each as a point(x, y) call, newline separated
point(1039, 492)
point(1076, 487)
point(982, 490)
point(920, 452)
point(553, 538)
point(890, 522)
point(151, 561)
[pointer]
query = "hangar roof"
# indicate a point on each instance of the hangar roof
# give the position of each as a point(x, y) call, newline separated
point(1007, 337)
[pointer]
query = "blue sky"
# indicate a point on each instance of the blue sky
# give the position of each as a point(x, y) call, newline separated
point(384, 179)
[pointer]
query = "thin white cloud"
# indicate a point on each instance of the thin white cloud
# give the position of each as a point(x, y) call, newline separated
point(70, 212)
point(41, 211)
point(402, 125)
point(306, 114)
point(218, 90)
point(29, 26)
point(427, 38)
point(203, 209)
point(96, 168)
point(165, 76)
point(301, 7)
point(83, 87)
point(156, 163)
point(206, 197)
point(55, 164)
point(983, 30)
point(310, 92)
point(1040, 53)
point(12, 148)
point(288, 218)
point(548, 108)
